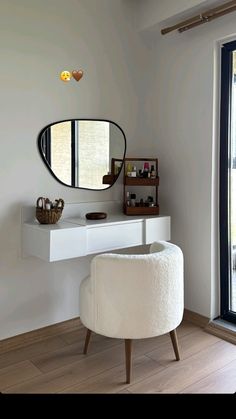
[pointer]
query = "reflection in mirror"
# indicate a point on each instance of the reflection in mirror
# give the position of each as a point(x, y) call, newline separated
point(85, 154)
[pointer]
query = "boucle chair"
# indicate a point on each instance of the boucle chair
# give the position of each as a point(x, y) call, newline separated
point(134, 296)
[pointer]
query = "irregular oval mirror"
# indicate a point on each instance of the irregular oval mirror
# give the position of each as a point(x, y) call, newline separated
point(83, 153)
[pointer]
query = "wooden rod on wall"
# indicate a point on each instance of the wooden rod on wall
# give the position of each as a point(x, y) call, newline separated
point(202, 18)
point(208, 19)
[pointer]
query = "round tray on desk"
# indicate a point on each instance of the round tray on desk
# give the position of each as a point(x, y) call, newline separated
point(96, 215)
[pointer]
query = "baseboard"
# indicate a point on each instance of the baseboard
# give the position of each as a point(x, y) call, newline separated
point(196, 318)
point(222, 332)
point(34, 336)
point(214, 328)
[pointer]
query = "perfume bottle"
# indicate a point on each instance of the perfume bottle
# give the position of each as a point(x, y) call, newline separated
point(145, 169)
point(153, 172)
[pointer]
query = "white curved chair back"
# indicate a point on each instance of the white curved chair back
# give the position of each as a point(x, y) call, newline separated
point(134, 296)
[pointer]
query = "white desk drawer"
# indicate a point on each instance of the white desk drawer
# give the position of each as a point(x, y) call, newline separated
point(54, 242)
point(114, 237)
point(68, 244)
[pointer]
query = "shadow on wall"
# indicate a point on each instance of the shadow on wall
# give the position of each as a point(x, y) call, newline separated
point(10, 233)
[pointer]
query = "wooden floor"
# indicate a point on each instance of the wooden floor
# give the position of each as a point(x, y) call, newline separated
point(57, 365)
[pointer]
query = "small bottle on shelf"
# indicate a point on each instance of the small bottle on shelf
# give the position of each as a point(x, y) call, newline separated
point(128, 169)
point(151, 201)
point(133, 199)
point(145, 169)
point(134, 171)
point(128, 201)
point(153, 172)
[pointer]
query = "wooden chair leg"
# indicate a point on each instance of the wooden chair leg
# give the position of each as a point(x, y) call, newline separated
point(175, 344)
point(87, 340)
point(128, 359)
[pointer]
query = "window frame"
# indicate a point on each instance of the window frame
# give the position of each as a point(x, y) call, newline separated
point(224, 184)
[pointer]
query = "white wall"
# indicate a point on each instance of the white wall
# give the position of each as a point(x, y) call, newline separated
point(39, 39)
point(182, 116)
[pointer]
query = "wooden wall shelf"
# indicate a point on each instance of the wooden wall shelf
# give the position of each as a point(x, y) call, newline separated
point(138, 181)
point(141, 210)
point(115, 171)
point(109, 179)
point(130, 181)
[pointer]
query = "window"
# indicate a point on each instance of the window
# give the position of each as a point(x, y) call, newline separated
point(78, 152)
point(228, 183)
point(61, 161)
point(93, 153)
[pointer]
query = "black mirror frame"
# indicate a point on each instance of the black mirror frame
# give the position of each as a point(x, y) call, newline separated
point(39, 141)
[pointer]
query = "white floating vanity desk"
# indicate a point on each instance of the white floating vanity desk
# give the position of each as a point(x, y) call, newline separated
point(75, 236)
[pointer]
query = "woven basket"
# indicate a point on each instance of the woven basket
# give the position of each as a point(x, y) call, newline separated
point(50, 216)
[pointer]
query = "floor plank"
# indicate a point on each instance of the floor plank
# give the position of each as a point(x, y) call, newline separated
point(113, 380)
point(185, 328)
point(75, 373)
point(27, 352)
point(72, 353)
point(74, 336)
point(17, 373)
point(189, 345)
point(179, 375)
point(221, 381)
